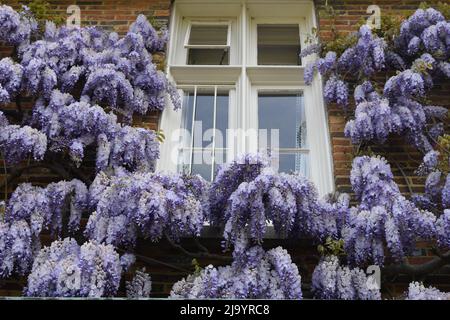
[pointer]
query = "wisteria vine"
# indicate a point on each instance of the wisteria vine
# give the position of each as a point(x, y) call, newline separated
point(86, 84)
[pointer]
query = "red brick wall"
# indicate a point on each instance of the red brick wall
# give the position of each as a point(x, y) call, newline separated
point(118, 15)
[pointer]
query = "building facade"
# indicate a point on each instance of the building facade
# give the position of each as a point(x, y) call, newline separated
point(237, 69)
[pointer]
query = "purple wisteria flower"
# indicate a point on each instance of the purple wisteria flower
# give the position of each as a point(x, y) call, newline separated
point(424, 30)
point(330, 280)
point(437, 184)
point(17, 143)
point(140, 286)
point(29, 211)
point(417, 291)
point(66, 269)
point(247, 193)
point(383, 217)
point(74, 125)
point(419, 54)
point(336, 90)
point(254, 274)
point(118, 72)
point(149, 203)
point(10, 79)
point(16, 27)
point(442, 229)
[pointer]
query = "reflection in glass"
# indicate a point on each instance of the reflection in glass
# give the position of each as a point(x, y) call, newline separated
point(278, 44)
point(208, 34)
point(284, 112)
point(195, 155)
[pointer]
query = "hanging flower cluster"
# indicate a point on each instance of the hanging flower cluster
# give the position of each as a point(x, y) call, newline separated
point(140, 286)
point(417, 291)
point(16, 248)
point(148, 203)
point(17, 143)
point(437, 193)
point(419, 53)
point(66, 269)
point(383, 217)
point(247, 193)
point(29, 211)
point(74, 125)
point(437, 184)
point(117, 72)
point(254, 274)
point(364, 58)
point(424, 31)
point(330, 280)
point(16, 27)
point(10, 79)
point(442, 229)
point(376, 116)
point(228, 178)
point(153, 41)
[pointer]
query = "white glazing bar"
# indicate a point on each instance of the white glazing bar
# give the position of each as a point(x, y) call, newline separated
point(243, 99)
point(213, 152)
point(192, 130)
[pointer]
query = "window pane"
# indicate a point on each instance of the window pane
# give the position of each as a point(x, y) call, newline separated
point(278, 45)
point(186, 122)
point(284, 112)
point(208, 56)
point(208, 35)
point(201, 164)
point(204, 112)
point(222, 119)
point(200, 159)
point(292, 162)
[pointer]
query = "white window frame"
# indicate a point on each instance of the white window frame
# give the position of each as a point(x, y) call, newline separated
point(246, 76)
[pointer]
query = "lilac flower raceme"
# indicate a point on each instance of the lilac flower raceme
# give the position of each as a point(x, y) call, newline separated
point(117, 72)
point(330, 280)
point(74, 125)
point(383, 217)
point(10, 79)
point(367, 56)
point(311, 49)
point(442, 229)
point(287, 200)
point(377, 117)
point(17, 143)
point(148, 203)
point(425, 30)
point(16, 248)
point(254, 274)
point(247, 193)
point(15, 28)
point(336, 90)
point(153, 41)
point(437, 184)
point(417, 291)
point(66, 269)
point(228, 178)
point(140, 286)
point(31, 210)
point(419, 54)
